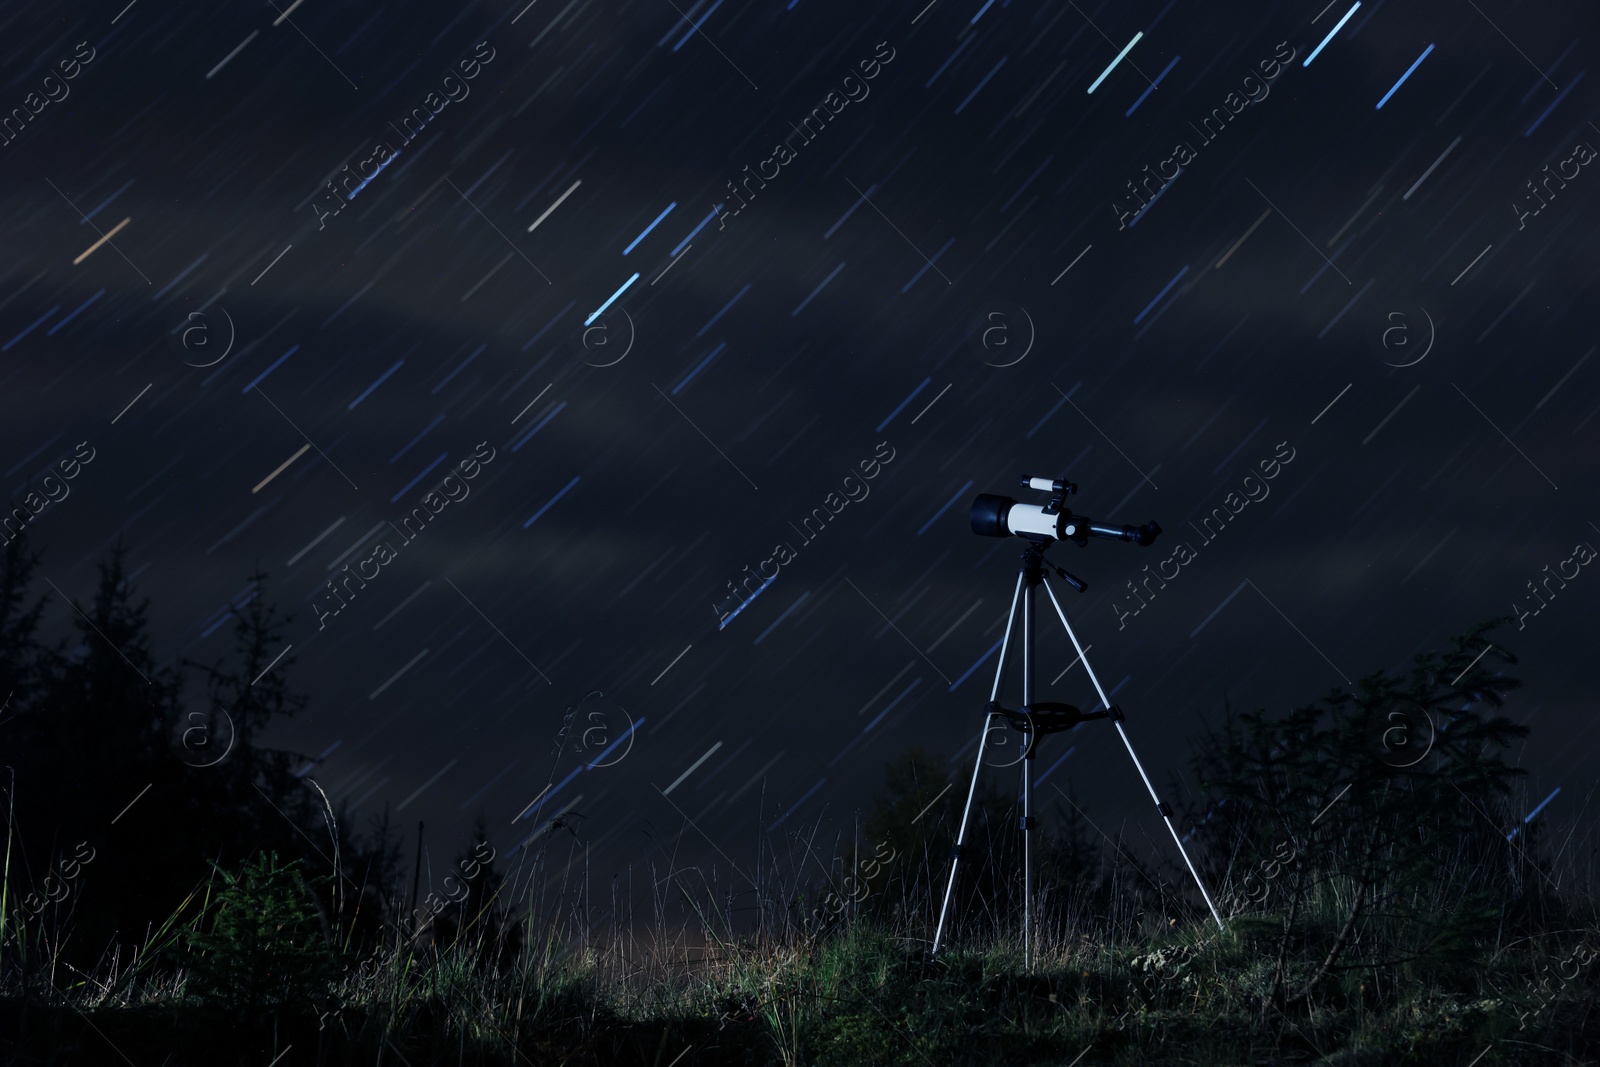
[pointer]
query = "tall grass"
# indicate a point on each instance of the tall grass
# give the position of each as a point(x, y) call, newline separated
point(724, 966)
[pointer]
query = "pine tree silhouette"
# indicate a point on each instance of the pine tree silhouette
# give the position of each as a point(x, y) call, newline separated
point(112, 755)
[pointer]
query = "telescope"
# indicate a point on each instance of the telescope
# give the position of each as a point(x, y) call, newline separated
point(1042, 525)
point(1001, 516)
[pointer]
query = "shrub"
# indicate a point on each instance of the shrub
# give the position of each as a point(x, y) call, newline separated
point(267, 945)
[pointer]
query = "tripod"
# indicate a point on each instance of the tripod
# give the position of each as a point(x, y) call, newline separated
point(1036, 719)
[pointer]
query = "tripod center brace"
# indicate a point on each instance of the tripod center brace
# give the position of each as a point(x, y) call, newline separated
point(1000, 516)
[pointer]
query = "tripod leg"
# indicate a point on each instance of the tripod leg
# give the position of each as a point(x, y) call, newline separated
point(1027, 860)
point(961, 837)
point(1028, 637)
point(1161, 805)
point(977, 762)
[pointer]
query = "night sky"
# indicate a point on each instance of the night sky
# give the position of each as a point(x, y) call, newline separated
point(608, 300)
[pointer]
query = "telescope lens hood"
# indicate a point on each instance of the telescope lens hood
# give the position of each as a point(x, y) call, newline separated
point(989, 515)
